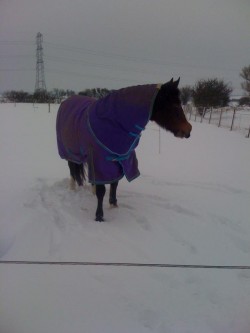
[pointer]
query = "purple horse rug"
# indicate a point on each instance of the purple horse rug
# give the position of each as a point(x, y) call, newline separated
point(104, 133)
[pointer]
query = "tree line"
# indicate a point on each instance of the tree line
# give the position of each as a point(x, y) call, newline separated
point(54, 96)
point(214, 92)
point(205, 93)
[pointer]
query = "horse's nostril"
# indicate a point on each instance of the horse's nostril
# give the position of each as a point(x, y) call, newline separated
point(187, 136)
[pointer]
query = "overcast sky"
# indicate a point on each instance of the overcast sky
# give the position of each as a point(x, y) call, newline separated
point(118, 43)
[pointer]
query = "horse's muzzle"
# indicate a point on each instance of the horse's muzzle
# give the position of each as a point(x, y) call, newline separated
point(184, 133)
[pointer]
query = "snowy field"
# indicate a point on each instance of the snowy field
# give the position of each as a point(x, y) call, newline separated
point(235, 119)
point(191, 205)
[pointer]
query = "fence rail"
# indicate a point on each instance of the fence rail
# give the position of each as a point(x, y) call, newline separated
point(233, 118)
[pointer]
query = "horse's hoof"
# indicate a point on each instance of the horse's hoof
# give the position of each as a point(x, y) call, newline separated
point(72, 184)
point(99, 219)
point(113, 205)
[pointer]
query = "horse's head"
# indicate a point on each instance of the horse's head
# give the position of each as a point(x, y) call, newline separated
point(168, 112)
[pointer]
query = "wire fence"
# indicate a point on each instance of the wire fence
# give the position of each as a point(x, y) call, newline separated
point(233, 118)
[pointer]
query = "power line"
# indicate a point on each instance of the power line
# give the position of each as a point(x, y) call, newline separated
point(17, 69)
point(108, 55)
point(130, 58)
point(91, 75)
point(13, 43)
point(93, 64)
point(123, 264)
point(112, 55)
point(69, 73)
point(8, 56)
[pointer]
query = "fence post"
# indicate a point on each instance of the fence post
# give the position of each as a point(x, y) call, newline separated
point(231, 128)
point(221, 110)
point(210, 116)
point(159, 140)
point(190, 115)
point(202, 115)
point(248, 135)
point(49, 107)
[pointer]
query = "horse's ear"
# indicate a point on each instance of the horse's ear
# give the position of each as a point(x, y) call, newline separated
point(168, 84)
point(177, 82)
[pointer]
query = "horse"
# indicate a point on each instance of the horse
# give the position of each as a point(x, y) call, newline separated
point(101, 135)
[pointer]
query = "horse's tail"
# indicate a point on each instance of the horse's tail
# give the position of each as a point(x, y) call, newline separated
point(77, 172)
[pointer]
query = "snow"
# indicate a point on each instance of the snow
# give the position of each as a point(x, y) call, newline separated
point(189, 206)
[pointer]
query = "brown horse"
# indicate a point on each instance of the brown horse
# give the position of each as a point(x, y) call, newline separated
point(104, 133)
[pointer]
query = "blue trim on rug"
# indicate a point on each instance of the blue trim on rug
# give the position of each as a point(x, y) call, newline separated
point(131, 149)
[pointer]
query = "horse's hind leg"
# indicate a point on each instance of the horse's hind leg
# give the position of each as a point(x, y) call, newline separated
point(100, 192)
point(112, 194)
point(76, 173)
point(72, 183)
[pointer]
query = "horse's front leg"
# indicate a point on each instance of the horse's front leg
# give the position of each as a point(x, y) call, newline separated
point(100, 192)
point(112, 194)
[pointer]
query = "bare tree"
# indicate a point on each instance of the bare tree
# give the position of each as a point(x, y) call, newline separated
point(211, 93)
point(245, 74)
point(95, 92)
point(17, 96)
point(186, 94)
